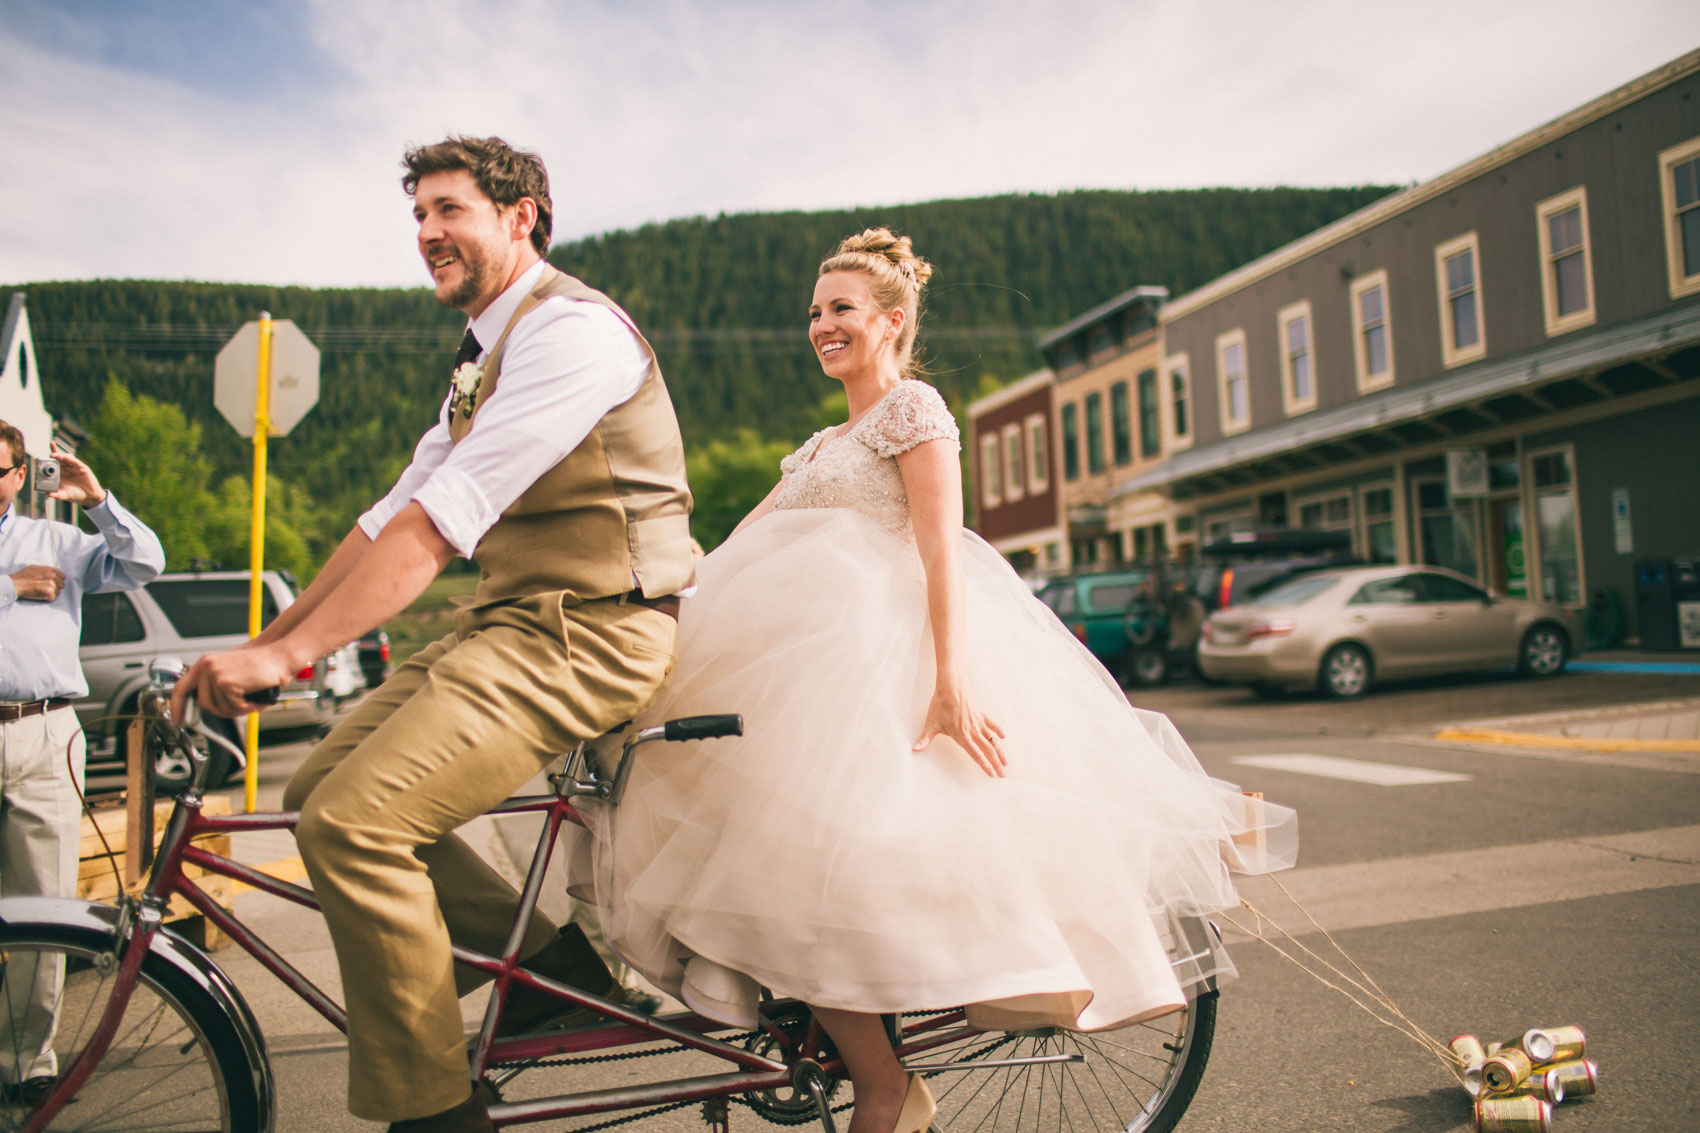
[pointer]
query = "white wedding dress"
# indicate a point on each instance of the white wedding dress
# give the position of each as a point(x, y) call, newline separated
point(818, 856)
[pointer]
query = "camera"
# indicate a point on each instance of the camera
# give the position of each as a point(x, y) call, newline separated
point(46, 473)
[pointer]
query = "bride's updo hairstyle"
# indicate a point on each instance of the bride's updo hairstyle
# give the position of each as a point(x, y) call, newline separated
point(896, 276)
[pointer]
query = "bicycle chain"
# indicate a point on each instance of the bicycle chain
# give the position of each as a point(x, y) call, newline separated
point(735, 1099)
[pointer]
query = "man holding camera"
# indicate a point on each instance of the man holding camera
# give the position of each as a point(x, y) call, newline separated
point(45, 569)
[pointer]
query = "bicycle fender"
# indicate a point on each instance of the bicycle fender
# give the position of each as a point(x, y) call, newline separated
point(99, 921)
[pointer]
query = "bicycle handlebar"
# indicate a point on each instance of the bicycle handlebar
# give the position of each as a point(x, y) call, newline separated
point(704, 727)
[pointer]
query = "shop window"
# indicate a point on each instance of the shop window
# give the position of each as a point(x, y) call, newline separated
point(1567, 277)
point(1298, 358)
point(1038, 454)
point(991, 476)
point(1327, 513)
point(1014, 468)
point(1462, 337)
point(1372, 332)
point(1679, 190)
point(1234, 387)
point(1071, 441)
point(1378, 538)
point(1121, 424)
point(1180, 401)
point(1558, 537)
point(1445, 531)
point(1094, 433)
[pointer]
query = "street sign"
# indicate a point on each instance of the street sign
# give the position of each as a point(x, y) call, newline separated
point(294, 377)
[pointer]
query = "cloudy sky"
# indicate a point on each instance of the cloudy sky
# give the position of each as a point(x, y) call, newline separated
point(257, 140)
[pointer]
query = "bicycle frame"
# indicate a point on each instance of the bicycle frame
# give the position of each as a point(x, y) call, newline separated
point(808, 1070)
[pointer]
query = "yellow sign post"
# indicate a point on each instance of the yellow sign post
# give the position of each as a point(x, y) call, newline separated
point(277, 366)
point(257, 541)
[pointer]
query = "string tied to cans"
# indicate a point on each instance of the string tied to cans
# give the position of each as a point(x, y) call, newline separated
point(1513, 1085)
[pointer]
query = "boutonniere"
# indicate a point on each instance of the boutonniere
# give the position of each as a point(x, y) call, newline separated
point(464, 388)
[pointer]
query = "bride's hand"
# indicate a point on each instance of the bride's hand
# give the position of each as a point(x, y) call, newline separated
point(951, 714)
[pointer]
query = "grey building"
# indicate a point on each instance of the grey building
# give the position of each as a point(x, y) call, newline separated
point(1497, 371)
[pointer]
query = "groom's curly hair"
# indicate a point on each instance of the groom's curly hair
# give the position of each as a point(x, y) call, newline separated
point(504, 174)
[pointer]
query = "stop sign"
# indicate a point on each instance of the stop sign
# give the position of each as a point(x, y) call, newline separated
point(294, 377)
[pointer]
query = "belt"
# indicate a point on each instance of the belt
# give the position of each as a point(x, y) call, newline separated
point(10, 712)
point(668, 604)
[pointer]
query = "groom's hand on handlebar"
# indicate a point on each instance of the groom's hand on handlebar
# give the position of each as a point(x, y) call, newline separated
point(231, 683)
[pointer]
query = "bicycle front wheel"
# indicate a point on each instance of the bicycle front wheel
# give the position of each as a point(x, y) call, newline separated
point(1138, 1079)
point(175, 1063)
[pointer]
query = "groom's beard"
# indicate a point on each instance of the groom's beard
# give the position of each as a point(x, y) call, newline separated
point(477, 267)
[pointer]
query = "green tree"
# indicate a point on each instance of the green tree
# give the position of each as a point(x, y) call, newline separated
point(728, 478)
point(150, 455)
point(294, 528)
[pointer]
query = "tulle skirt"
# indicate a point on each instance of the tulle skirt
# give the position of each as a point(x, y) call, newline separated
point(819, 857)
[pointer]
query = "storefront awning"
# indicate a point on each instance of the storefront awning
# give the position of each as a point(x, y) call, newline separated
point(1581, 369)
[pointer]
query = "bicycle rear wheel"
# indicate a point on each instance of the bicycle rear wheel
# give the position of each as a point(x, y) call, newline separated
point(1138, 1079)
point(175, 1063)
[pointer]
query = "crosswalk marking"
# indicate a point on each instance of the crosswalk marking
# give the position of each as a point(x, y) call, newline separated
point(1356, 770)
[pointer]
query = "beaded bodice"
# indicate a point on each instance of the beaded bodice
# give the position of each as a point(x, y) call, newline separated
point(857, 468)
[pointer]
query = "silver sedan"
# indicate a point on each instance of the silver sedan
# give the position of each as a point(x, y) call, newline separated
point(1342, 630)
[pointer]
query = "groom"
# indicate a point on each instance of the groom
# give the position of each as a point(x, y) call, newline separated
point(556, 463)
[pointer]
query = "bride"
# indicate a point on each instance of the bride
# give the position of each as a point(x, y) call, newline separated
point(941, 798)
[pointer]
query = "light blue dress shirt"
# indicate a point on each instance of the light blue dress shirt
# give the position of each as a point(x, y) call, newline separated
point(38, 640)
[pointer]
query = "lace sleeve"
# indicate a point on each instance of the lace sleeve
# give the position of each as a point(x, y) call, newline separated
point(796, 460)
point(913, 414)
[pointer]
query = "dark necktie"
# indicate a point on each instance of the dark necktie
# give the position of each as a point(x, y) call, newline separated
point(469, 348)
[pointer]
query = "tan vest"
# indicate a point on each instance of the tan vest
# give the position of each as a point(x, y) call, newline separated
point(614, 514)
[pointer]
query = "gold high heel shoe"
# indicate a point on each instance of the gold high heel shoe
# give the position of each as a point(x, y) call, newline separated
point(916, 1116)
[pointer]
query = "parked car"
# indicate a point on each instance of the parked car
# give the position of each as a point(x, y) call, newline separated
point(183, 616)
point(344, 677)
point(1124, 618)
point(374, 654)
point(1236, 568)
point(1343, 630)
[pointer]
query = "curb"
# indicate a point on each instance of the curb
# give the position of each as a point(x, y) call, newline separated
point(1571, 743)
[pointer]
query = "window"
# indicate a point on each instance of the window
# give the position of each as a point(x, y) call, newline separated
point(1445, 588)
point(1298, 361)
point(1378, 540)
point(1103, 340)
point(1180, 401)
point(1068, 353)
point(1372, 333)
point(209, 607)
point(1014, 470)
point(1400, 591)
point(1327, 513)
point(1071, 441)
point(1231, 375)
point(1121, 424)
point(1150, 416)
point(1094, 433)
point(1456, 270)
point(1445, 532)
point(1679, 189)
point(1567, 276)
point(991, 477)
point(1038, 454)
point(1558, 546)
point(110, 619)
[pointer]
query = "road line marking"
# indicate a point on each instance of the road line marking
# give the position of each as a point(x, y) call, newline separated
point(1579, 743)
point(1463, 882)
point(1356, 770)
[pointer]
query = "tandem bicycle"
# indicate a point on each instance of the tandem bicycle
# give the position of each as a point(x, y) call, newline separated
point(150, 1034)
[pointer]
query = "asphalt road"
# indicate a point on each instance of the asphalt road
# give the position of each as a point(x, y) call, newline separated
point(1520, 888)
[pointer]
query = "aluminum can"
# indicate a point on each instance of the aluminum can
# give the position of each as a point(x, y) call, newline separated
point(1513, 1115)
point(1580, 1078)
point(1568, 1044)
point(1469, 1050)
point(1541, 1083)
point(1535, 1043)
point(1502, 1072)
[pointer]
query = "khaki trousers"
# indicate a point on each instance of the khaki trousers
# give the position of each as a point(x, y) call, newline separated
point(456, 730)
point(41, 813)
